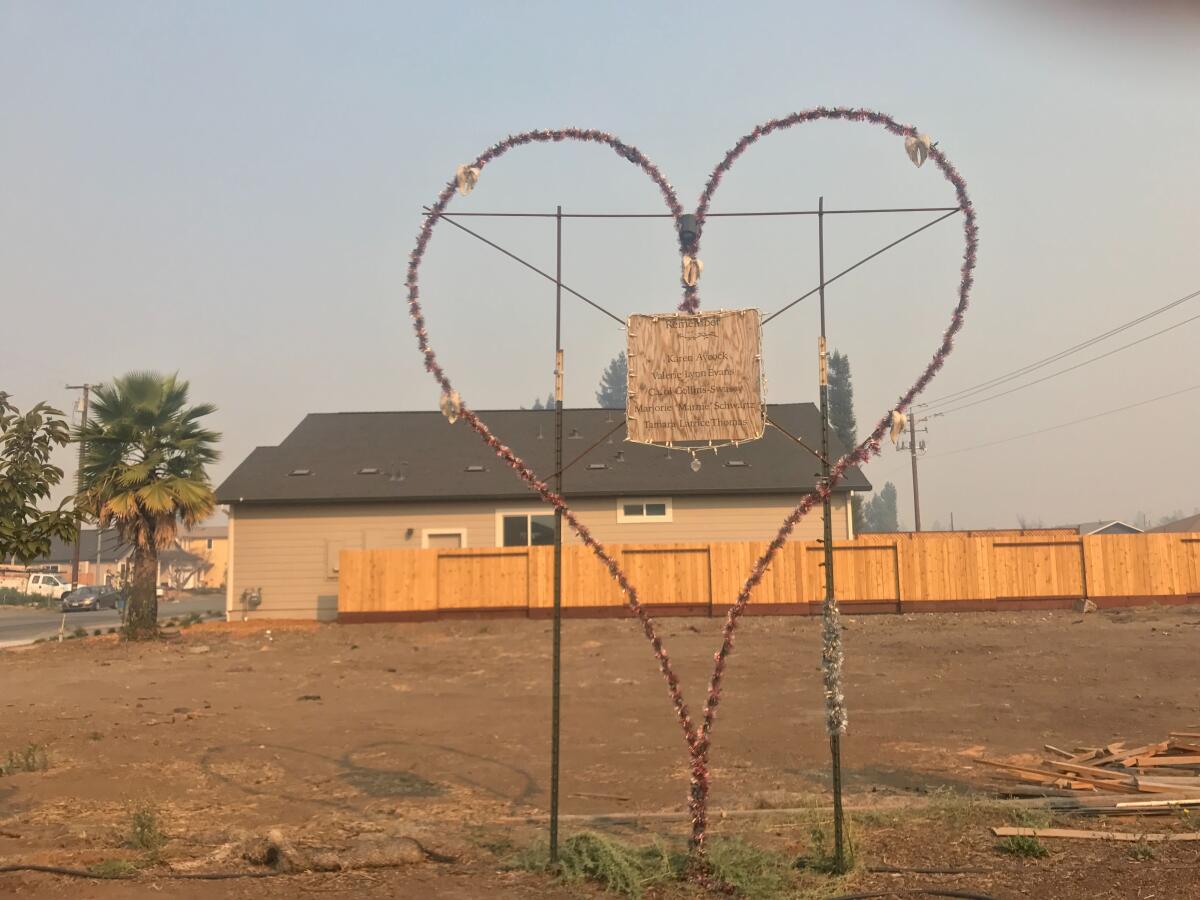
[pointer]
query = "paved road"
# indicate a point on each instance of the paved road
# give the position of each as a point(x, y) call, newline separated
point(22, 626)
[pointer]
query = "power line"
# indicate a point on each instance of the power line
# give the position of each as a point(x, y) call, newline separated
point(1099, 415)
point(1053, 358)
point(1086, 362)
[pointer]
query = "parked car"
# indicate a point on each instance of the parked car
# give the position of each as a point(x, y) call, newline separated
point(48, 584)
point(89, 597)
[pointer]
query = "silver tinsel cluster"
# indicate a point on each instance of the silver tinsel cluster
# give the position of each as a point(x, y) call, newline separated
point(831, 668)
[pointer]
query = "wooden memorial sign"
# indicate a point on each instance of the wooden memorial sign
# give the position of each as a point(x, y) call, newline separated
point(695, 377)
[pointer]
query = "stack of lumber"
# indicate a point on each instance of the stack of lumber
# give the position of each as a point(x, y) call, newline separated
point(1096, 777)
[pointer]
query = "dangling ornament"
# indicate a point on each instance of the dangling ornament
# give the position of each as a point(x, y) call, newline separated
point(917, 146)
point(692, 267)
point(899, 420)
point(695, 464)
point(466, 176)
point(451, 405)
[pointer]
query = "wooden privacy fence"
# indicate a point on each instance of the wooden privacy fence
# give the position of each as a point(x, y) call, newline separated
point(874, 573)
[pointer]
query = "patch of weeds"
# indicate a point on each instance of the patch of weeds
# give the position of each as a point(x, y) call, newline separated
point(144, 832)
point(1142, 852)
point(113, 629)
point(1024, 846)
point(1026, 817)
point(114, 868)
point(79, 632)
point(752, 871)
point(191, 619)
point(822, 855)
point(616, 866)
point(31, 758)
point(96, 632)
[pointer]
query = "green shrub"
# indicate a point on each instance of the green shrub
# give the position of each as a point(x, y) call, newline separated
point(114, 868)
point(822, 856)
point(616, 866)
point(1023, 845)
point(31, 758)
point(144, 832)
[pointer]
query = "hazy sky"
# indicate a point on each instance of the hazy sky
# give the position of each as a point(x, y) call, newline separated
point(231, 190)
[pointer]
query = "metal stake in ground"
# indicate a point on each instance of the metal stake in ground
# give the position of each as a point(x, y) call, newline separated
point(831, 631)
point(555, 702)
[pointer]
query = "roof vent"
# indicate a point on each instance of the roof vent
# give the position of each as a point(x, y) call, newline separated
point(368, 470)
point(575, 435)
point(735, 463)
point(296, 472)
point(620, 456)
point(597, 466)
point(475, 469)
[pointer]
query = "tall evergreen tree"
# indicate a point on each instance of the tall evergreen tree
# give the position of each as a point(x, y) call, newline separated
point(614, 384)
point(843, 422)
point(880, 512)
point(538, 404)
point(841, 401)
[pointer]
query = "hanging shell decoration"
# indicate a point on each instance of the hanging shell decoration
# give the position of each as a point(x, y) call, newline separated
point(917, 146)
point(899, 420)
point(451, 405)
point(692, 267)
point(466, 176)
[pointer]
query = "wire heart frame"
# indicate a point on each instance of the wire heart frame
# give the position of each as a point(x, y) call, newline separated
point(698, 737)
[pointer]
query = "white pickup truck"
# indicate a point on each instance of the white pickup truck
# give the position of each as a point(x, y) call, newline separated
point(47, 584)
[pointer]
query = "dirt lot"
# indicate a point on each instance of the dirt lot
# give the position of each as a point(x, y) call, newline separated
point(350, 737)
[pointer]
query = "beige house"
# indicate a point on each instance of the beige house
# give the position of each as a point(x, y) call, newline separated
point(209, 545)
point(412, 480)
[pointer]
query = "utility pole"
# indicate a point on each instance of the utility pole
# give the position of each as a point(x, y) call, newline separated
point(912, 450)
point(85, 401)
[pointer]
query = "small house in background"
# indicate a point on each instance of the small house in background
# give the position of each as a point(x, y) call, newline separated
point(1106, 526)
point(198, 559)
point(209, 545)
point(1187, 524)
point(411, 480)
point(102, 557)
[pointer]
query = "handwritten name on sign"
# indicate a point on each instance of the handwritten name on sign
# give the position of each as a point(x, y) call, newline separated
point(695, 377)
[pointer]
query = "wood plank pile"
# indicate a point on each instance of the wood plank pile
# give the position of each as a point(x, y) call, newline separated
point(1092, 780)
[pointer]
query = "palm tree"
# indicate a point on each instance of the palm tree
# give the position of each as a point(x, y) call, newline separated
point(144, 470)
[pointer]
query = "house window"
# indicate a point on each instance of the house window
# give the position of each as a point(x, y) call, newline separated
point(526, 530)
point(644, 510)
point(210, 543)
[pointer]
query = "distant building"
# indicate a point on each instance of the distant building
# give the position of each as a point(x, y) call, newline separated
point(411, 480)
point(1188, 524)
point(105, 559)
point(1106, 526)
point(209, 545)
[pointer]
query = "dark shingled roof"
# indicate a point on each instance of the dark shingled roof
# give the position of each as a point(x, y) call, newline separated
point(111, 548)
point(1191, 523)
point(376, 456)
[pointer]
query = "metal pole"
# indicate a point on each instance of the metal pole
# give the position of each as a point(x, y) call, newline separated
point(835, 740)
point(86, 388)
point(556, 698)
point(912, 449)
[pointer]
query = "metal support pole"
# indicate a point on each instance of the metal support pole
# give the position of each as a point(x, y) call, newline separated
point(556, 699)
point(912, 449)
point(835, 740)
point(86, 388)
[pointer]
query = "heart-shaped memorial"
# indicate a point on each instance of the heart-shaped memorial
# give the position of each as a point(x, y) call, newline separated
point(919, 149)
